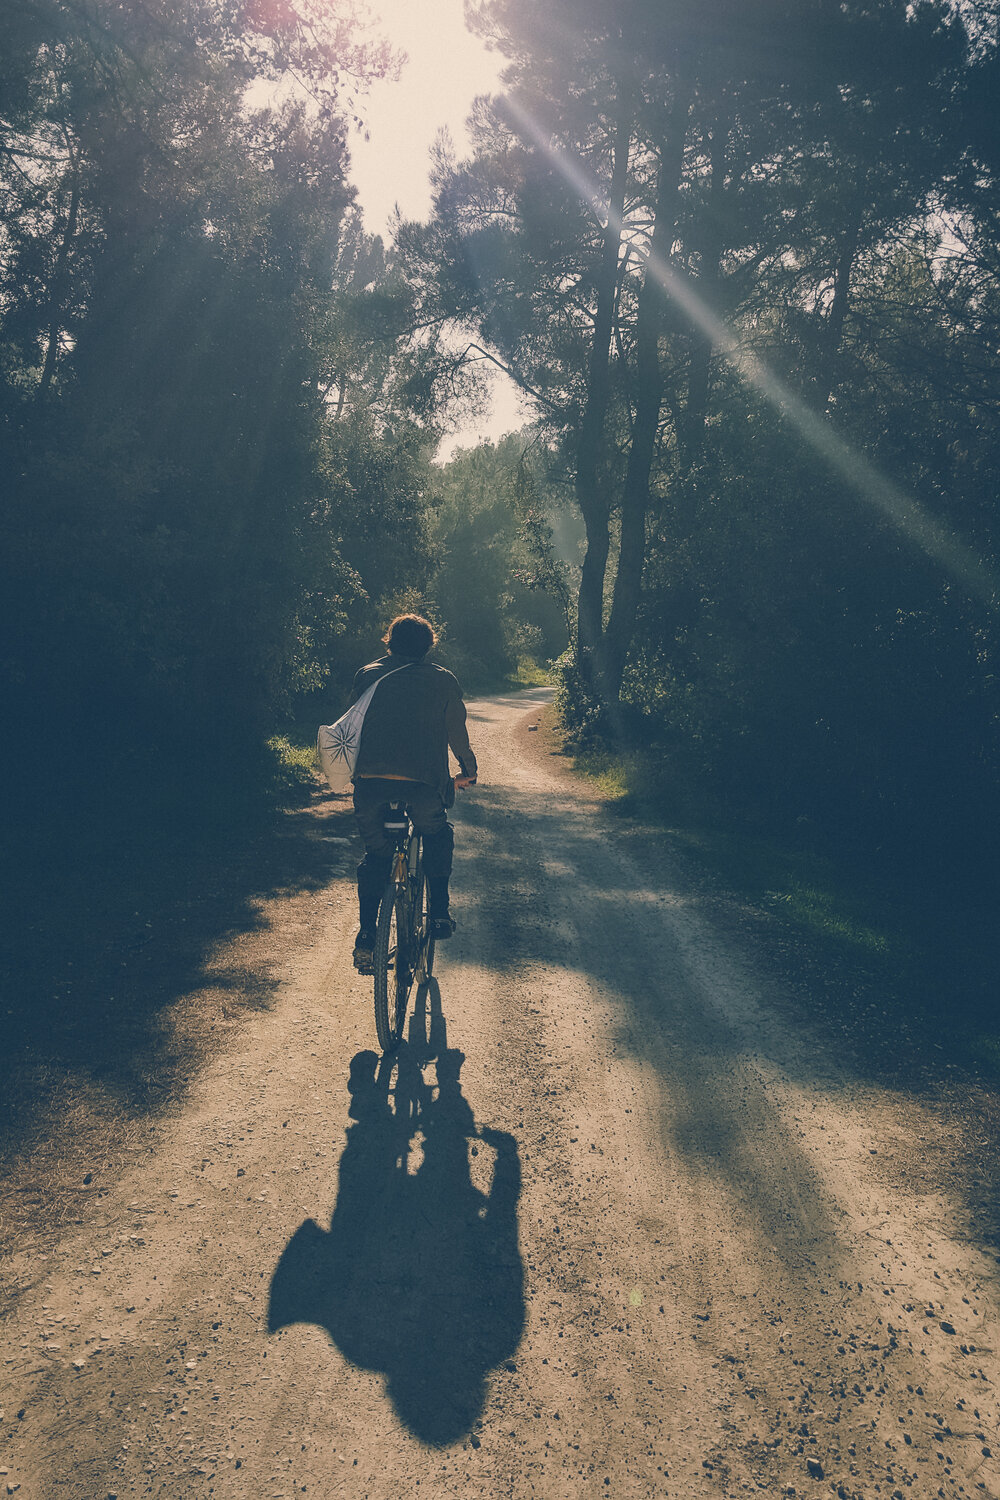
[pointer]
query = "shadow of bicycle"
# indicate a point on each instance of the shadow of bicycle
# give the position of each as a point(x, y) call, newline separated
point(419, 1275)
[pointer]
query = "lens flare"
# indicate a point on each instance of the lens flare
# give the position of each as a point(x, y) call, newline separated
point(901, 509)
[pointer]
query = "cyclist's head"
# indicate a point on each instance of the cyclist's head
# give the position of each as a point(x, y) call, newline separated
point(410, 635)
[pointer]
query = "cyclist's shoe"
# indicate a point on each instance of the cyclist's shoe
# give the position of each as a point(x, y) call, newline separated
point(442, 928)
point(364, 949)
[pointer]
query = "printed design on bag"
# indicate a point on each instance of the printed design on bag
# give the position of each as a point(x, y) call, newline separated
point(342, 742)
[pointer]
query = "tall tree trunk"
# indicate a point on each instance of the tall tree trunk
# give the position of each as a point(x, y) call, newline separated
point(709, 282)
point(649, 398)
point(591, 493)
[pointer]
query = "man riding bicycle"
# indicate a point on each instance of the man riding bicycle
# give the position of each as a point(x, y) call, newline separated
point(403, 757)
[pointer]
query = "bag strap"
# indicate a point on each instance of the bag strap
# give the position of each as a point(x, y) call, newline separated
point(364, 702)
point(379, 680)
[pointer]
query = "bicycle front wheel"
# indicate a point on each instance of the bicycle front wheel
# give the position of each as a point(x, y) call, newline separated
point(393, 969)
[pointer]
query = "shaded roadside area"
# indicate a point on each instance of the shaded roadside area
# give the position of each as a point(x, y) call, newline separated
point(895, 1017)
point(648, 967)
point(905, 922)
point(112, 991)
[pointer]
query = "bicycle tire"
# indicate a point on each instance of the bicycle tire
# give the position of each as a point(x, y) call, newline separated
point(393, 974)
point(423, 923)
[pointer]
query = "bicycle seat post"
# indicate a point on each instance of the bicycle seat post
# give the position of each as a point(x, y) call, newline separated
point(397, 824)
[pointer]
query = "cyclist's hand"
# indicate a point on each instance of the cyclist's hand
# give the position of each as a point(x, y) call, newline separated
point(465, 781)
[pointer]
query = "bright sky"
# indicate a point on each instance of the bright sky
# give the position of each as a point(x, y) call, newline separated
point(446, 68)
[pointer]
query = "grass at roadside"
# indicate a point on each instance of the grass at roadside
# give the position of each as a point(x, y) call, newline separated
point(925, 937)
point(530, 674)
point(294, 752)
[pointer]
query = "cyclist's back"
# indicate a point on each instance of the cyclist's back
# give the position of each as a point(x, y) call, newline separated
point(411, 722)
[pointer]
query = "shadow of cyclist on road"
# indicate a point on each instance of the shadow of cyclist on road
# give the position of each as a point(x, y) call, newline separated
point(419, 1275)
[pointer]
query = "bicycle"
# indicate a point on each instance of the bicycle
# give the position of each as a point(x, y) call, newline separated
point(404, 943)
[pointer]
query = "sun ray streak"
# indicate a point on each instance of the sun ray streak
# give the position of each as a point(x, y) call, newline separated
point(904, 511)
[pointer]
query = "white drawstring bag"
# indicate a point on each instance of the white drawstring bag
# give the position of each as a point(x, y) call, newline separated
point(337, 744)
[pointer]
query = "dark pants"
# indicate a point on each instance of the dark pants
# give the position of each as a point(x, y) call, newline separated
point(372, 795)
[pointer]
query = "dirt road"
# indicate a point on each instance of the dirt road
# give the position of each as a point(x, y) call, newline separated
point(609, 1226)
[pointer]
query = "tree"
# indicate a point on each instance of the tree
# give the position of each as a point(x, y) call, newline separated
point(647, 166)
point(495, 580)
point(167, 282)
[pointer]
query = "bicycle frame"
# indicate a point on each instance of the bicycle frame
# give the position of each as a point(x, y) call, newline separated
point(406, 858)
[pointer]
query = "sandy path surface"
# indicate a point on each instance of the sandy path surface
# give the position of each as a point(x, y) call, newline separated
point(608, 1225)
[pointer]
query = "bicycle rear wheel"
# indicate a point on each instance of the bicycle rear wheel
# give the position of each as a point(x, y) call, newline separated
point(425, 965)
point(393, 971)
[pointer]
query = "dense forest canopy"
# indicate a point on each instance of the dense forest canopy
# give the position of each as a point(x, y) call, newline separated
point(216, 411)
point(743, 259)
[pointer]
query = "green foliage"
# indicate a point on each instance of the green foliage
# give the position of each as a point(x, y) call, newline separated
point(822, 179)
point(295, 755)
point(582, 714)
point(811, 659)
point(489, 578)
point(528, 673)
point(200, 361)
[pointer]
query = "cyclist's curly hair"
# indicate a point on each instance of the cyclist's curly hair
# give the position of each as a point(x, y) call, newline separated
point(410, 635)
